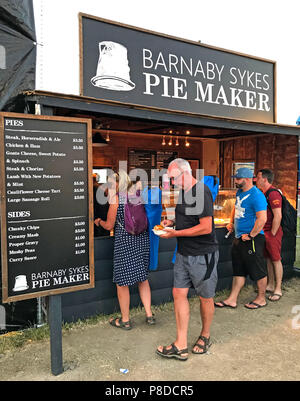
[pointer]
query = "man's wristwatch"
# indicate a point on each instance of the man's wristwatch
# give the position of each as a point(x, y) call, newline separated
point(251, 236)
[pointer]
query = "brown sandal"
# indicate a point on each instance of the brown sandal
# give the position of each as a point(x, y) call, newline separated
point(150, 320)
point(173, 352)
point(121, 325)
point(204, 346)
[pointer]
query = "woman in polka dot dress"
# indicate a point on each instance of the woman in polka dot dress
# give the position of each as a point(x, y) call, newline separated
point(131, 253)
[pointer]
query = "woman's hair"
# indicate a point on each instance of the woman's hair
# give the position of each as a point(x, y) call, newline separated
point(122, 178)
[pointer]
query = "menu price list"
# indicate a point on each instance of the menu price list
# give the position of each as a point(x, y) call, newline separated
point(46, 204)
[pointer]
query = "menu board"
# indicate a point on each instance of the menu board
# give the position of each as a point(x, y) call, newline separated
point(164, 159)
point(142, 159)
point(46, 207)
point(150, 160)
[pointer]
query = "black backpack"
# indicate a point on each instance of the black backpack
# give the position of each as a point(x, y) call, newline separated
point(289, 214)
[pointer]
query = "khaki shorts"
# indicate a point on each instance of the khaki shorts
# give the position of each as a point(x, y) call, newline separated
point(191, 272)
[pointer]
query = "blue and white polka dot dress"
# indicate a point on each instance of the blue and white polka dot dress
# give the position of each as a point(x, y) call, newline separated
point(131, 253)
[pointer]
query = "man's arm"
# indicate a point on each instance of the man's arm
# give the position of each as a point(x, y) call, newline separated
point(277, 216)
point(204, 227)
point(167, 223)
point(230, 225)
point(261, 218)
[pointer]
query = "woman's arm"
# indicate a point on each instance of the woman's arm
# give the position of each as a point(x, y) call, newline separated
point(111, 214)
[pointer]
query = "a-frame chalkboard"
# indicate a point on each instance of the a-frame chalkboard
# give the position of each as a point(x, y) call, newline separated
point(46, 205)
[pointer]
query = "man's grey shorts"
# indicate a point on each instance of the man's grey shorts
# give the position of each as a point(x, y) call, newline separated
point(190, 271)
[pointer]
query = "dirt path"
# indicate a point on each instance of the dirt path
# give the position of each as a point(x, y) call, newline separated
point(247, 345)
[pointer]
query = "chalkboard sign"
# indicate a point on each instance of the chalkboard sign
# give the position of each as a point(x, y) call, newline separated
point(46, 207)
point(150, 161)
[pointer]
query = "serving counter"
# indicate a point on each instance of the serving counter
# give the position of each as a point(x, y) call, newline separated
point(103, 298)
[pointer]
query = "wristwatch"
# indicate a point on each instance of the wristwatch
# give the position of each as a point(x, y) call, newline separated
point(251, 236)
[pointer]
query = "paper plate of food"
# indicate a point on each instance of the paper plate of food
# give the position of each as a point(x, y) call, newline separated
point(160, 230)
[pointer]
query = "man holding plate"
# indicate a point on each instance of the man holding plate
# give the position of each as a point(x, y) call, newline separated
point(196, 258)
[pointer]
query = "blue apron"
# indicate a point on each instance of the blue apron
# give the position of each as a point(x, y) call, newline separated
point(153, 207)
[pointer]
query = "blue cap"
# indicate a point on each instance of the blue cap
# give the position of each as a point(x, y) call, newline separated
point(243, 172)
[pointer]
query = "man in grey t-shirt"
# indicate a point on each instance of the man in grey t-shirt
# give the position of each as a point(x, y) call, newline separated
point(196, 259)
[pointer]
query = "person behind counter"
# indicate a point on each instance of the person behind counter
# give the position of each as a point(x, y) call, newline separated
point(100, 209)
point(131, 253)
point(196, 258)
point(248, 219)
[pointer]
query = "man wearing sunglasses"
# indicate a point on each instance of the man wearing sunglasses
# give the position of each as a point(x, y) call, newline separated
point(196, 258)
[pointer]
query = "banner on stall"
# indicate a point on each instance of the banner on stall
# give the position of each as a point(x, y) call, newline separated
point(132, 66)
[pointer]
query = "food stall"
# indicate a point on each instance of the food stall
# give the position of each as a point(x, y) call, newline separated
point(216, 150)
point(152, 98)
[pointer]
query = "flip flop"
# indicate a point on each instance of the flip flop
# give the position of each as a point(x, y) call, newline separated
point(274, 295)
point(257, 306)
point(224, 305)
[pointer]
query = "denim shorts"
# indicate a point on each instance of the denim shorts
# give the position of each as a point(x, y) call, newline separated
point(190, 272)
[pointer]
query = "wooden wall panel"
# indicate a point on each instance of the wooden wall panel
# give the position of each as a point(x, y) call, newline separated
point(265, 152)
point(245, 149)
point(286, 165)
point(228, 150)
point(120, 143)
point(238, 149)
point(276, 152)
point(210, 157)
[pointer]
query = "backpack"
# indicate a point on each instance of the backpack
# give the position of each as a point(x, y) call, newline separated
point(135, 217)
point(289, 214)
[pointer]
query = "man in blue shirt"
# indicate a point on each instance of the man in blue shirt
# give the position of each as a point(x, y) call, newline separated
point(247, 219)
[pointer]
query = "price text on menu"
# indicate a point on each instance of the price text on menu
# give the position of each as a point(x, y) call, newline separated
point(46, 214)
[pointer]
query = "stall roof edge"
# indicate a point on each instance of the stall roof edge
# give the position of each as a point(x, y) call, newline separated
point(75, 102)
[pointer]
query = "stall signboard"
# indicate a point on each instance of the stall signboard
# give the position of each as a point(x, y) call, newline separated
point(132, 66)
point(46, 207)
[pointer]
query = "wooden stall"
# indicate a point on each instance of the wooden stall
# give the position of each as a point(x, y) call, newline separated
point(185, 100)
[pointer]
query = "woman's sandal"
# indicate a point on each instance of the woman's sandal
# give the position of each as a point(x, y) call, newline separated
point(150, 320)
point(203, 347)
point(121, 324)
point(173, 352)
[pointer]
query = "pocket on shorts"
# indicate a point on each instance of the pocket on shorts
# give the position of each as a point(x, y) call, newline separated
point(250, 247)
